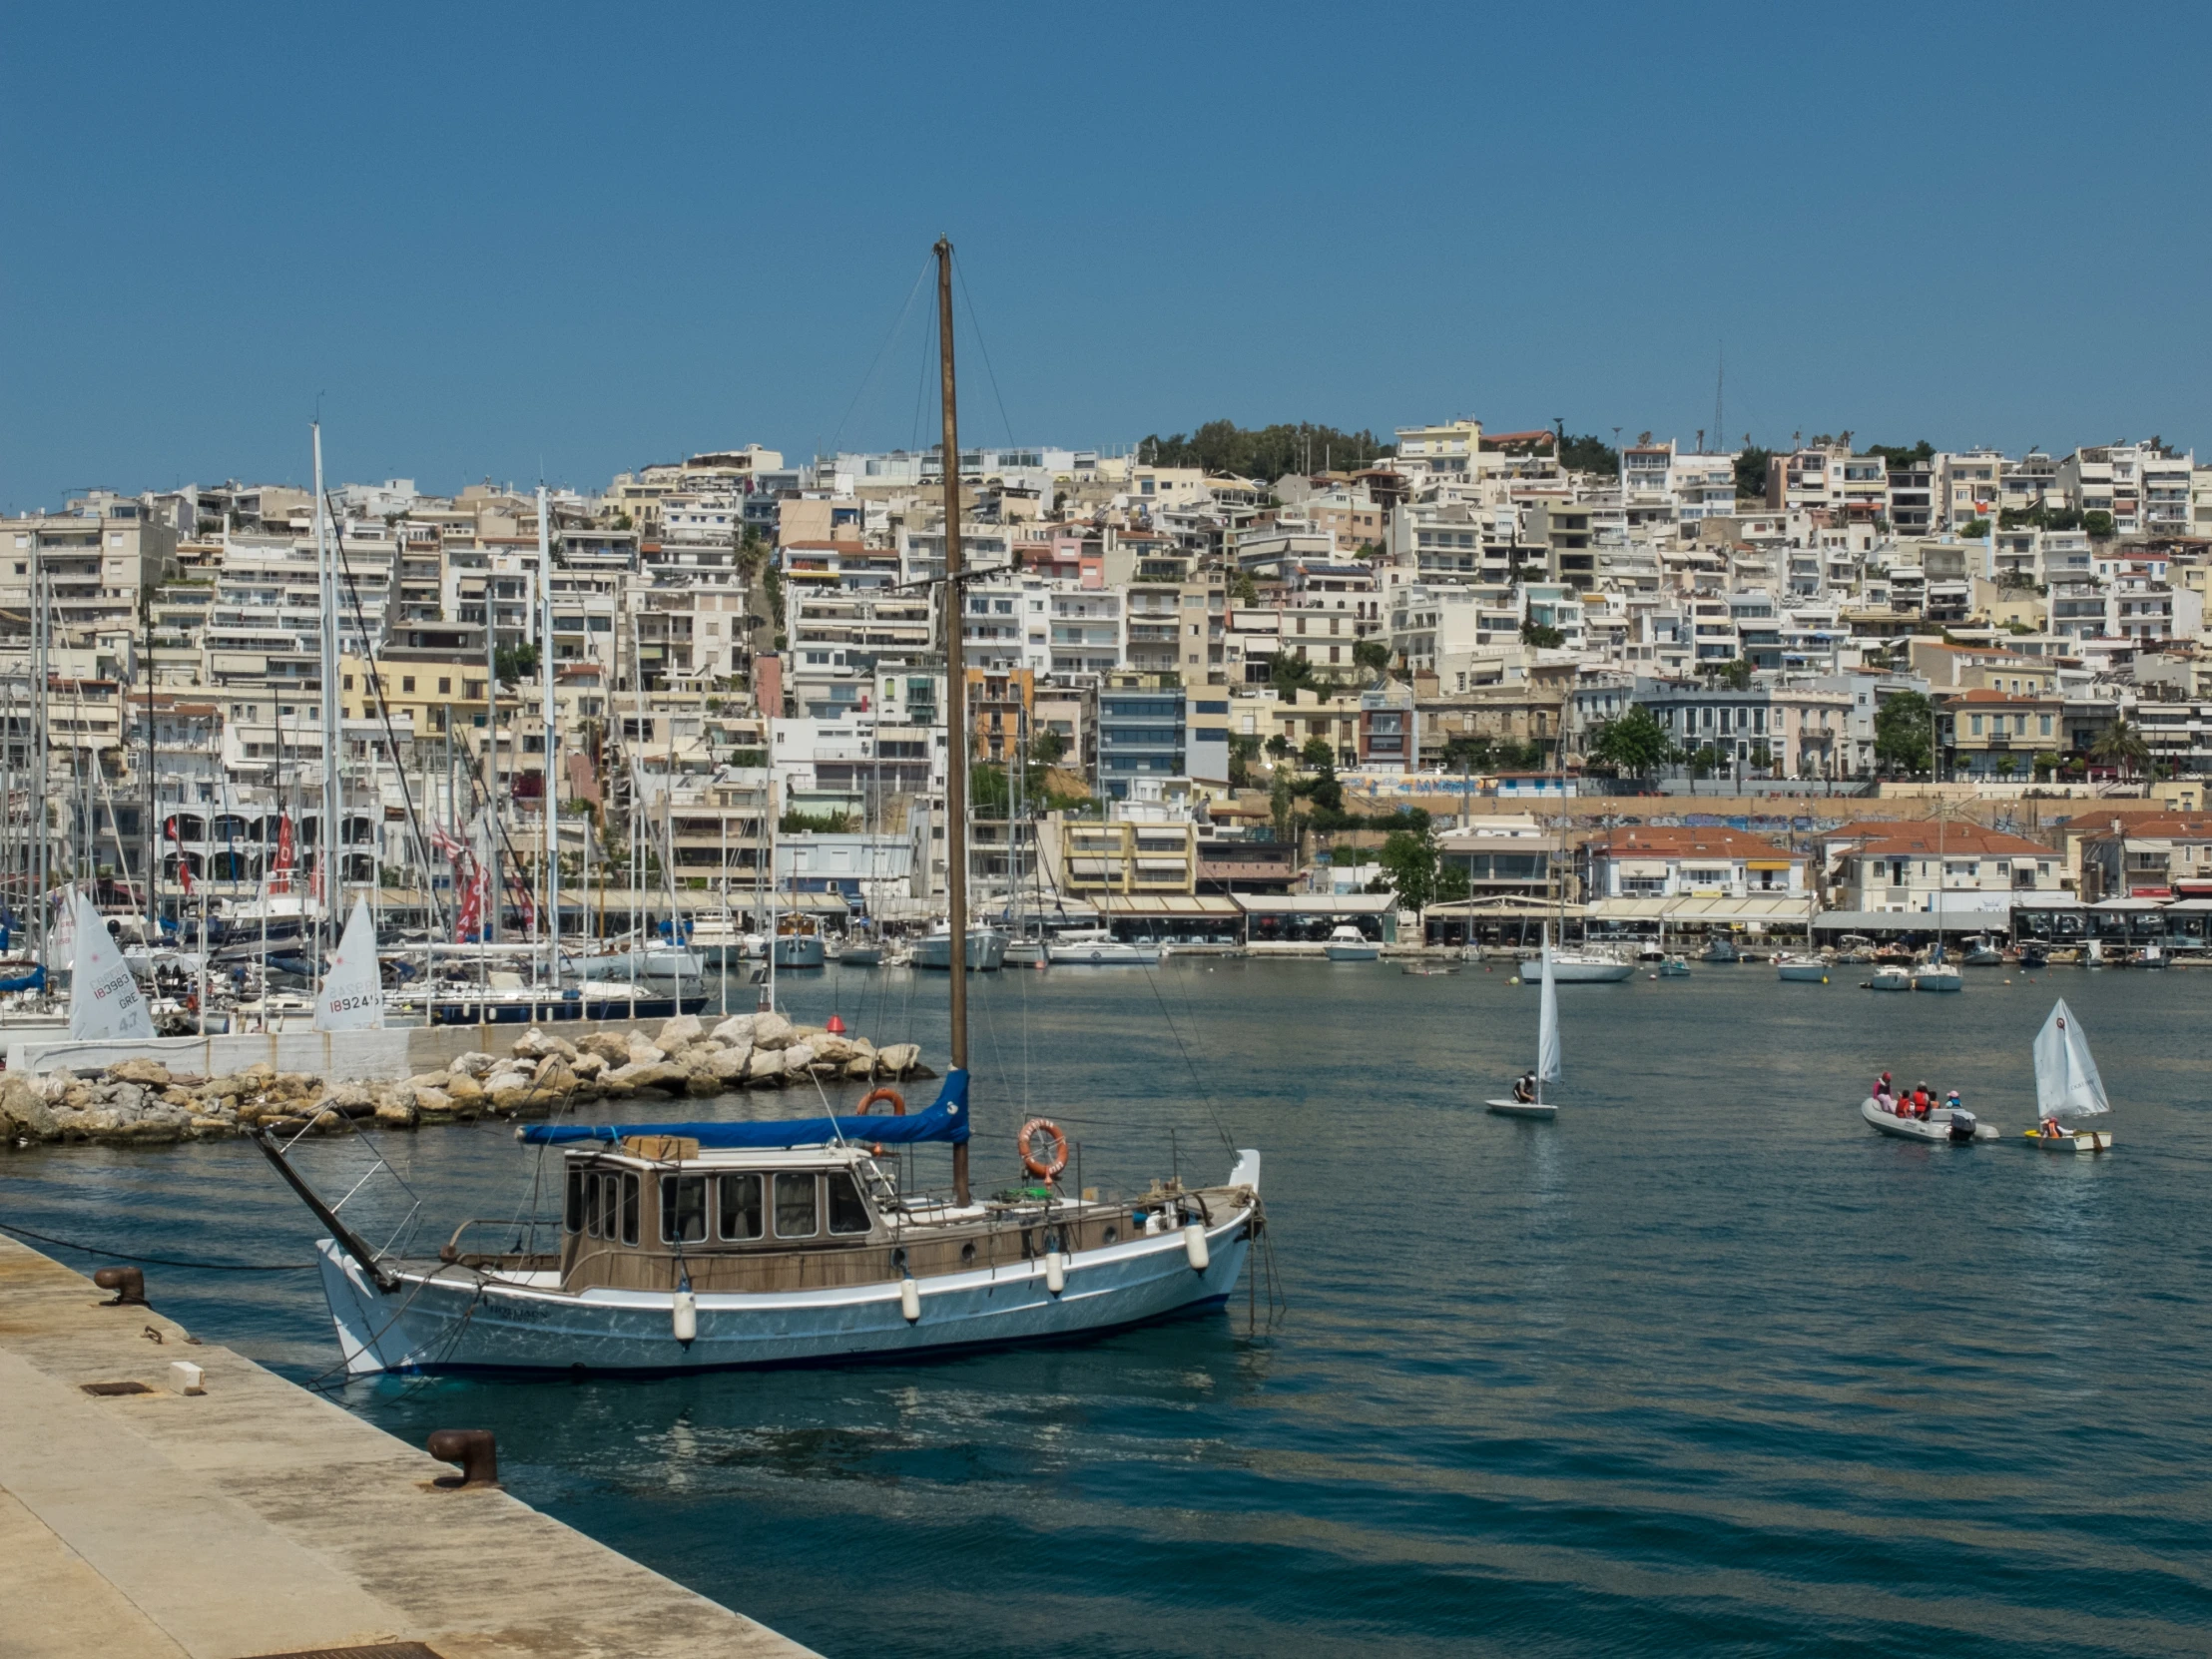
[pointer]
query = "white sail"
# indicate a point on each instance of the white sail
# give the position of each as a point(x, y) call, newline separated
point(1547, 1027)
point(104, 999)
point(352, 994)
point(2066, 1080)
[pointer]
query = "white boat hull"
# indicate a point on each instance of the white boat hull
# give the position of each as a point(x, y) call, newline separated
point(1590, 973)
point(1542, 1111)
point(1353, 952)
point(1939, 979)
point(458, 1320)
point(1937, 1126)
point(1112, 954)
point(2072, 1140)
point(1803, 973)
point(985, 951)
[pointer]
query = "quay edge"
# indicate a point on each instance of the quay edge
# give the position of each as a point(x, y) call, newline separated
point(258, 1517)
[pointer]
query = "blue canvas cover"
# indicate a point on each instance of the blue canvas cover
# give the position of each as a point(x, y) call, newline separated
point(945, 1119)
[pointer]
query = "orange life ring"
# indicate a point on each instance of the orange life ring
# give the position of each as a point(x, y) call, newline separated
point(1044, 1169)
point(898, 1100)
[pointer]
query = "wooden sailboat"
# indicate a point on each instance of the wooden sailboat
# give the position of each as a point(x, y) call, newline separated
point(711, 1245)
point(1547, 1051)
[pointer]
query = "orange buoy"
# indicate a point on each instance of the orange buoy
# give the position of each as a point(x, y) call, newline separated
point(898, 1100)
point(1045, 1168)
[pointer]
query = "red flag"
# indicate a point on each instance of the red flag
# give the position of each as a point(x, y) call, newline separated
point(280, 879)
point(183, 869)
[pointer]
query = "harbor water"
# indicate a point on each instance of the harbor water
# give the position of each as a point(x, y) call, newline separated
point(1703, 1366)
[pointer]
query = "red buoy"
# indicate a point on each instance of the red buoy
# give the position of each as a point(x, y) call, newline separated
point(835, 1027)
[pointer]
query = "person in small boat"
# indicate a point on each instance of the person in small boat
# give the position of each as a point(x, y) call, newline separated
point(1952, 1102)
point(1922, 1100)
point(2048, 1129)
point(1884, 1093)
point(1524, 1088)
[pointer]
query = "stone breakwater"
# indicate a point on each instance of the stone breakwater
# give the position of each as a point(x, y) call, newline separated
point(141, 1101)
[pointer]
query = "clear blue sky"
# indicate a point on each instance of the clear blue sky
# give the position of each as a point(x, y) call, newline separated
point(499, 239)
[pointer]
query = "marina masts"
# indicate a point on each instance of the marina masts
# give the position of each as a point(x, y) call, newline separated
point(329, 836)
point(549, 804)
point(955, 704)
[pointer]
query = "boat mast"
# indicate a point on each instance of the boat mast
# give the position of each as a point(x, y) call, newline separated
point(955, 704)
point(328, 840)
point(552, 737)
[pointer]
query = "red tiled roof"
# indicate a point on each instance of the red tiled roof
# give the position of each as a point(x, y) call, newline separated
point(1667, 841)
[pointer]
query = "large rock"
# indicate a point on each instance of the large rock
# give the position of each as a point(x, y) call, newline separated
point(463, 1091)
point(517, 1095)
point(897, 1060)
point(765, 1065)
point(140, 1071)
point(476, 1065)
point(736, 1031)
point(538, 1043)
point(729, 1064)
point(797, 1060)
point(772, 1031)
point(683, 1029)
point(833, 1050)
point(420, 1080)
point(434, 1103)
point(643, 1054)
point(611, 1046)
point(587, 1068)
point(398, 1114)
point(24, 1113)
point(648, 1075)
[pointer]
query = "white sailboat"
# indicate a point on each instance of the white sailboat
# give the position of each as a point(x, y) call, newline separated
point(351, 995)
point(104, 999)
point(2067, 1086)
point(1547, 1051)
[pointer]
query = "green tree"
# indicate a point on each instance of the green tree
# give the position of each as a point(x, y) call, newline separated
point(1751, 472)
point(2098, 523)
point(1704, 762)
point(1282, 805)
point(1408, 860)
point(2122, 746)
point(1973, 529)
point(1316, 754)
point(1048, 747)
point(1635, 745)
point(1589, 453)
point(1542, 636)
point(1468, 752)
point(2006, 765)
point(1243, 590)
point(1290, 672)
point(2045, 763)
point(1326, 792)
point(1278, 747)
point(1898, 459)
point(1452, 884)
point(832, 823)
point(1267, 452)
point(514, 662)
point(1374, 656)
point(1733, 672)
point(1244, 749)
point(1900, 732)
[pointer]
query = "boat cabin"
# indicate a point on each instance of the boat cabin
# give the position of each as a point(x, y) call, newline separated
point(652, 1211)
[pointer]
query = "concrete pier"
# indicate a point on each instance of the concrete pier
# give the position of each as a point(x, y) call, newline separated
point(258, 1518)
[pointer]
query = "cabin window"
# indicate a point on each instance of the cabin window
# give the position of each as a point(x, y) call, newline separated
point(848, 1214)
point(794, 1207)
point(740, 1207)
point(603, 1205)
point(683, 1209)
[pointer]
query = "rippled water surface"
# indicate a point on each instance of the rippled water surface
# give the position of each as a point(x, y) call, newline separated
point(1704, 1365)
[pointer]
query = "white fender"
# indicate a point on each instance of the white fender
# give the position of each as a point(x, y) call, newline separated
point(1055, 1271)
point(909, 1300)
point(1194, 1245)
point(683, 1317)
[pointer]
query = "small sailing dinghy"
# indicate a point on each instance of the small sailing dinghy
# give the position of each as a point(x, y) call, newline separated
point(2066, 1086)
point(104, 999)
point(1548, 1053)
point(353, 994)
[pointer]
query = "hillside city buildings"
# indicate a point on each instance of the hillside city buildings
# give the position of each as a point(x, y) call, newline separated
point(738, 641)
